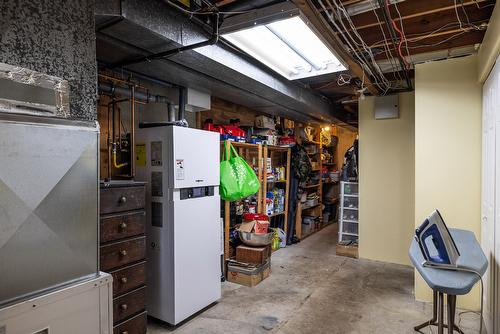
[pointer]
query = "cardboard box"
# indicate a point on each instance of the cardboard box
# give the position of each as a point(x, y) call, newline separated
point(247, 275)
point(247, 226)
point(349, 251)
point(253, 255)
point(265, 122)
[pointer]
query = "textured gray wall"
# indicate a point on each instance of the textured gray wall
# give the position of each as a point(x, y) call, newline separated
point(56, 37)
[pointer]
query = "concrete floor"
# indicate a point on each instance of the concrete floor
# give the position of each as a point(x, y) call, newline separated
point(311, 290)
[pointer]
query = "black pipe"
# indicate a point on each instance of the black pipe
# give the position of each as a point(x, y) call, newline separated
point(148, 78)
point(169, 53)
point(182, 103)
point(392, 32)
point(109, 88)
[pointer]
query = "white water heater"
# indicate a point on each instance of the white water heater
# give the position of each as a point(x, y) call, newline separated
point(181, 168)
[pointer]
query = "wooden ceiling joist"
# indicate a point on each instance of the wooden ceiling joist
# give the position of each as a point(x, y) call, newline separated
point(323, 28)
point(427, 24)
point(438, 43)
point(416, 9)
point(444, 34)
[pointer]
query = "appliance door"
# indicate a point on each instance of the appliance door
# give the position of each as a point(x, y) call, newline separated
point(48, 206)
point(195, 160)
point(79, 309)
point(196, 253)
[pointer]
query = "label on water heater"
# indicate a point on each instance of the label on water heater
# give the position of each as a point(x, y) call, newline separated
point(179, 169)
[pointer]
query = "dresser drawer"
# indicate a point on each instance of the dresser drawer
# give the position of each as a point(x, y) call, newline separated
point(118, 199)
point(122, 226)
point(129, 304)
point(135, 325)
point(129, 278)
point(122, 253)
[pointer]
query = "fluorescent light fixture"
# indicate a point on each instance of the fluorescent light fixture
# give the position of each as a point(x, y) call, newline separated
point(288, 46)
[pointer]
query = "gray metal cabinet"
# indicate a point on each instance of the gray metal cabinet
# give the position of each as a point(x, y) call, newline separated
point(48, 204)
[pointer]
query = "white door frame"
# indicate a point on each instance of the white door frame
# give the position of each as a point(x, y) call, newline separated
point(490, 202)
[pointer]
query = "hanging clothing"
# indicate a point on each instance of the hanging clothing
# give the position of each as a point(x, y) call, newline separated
point(292, 208)
point(301, 163)
point(301, 168)
point(350, 167)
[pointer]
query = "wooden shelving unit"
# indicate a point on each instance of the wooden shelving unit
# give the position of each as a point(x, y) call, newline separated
point(255, 155)
point(249, 152)
point(284, 156)
point(314, 210)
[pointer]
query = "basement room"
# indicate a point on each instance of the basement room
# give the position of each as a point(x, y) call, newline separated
point(249, 167)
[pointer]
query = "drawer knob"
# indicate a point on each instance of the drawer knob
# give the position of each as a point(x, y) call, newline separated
point(123, 225)
point(124, 280)
point(123, 252)
point(124, 307)
point(122, 200)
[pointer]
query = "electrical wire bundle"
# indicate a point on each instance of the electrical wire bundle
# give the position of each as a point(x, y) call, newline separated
point(338, 16)
point(401, 60)
point(398, 56)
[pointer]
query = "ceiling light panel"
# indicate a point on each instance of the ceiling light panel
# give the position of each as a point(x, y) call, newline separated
point(260, 43)
point(287, 46)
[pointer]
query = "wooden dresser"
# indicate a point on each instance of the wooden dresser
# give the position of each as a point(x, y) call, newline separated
point(123, 252)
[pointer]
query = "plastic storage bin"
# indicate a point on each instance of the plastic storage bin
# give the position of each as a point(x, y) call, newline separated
point(350, 202)
point(350, 215)
point(350, 228)
point(351, 188)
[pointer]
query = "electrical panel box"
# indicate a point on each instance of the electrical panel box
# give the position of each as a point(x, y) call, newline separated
point(387, 107)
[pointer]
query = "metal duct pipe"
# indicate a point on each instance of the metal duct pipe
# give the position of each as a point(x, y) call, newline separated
point(169, 53)
point(218, 69)
point(182, 103)
point(171, 112)
point(109, 88)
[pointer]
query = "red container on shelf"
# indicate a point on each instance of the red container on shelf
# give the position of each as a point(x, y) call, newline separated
point(287, 141)
point(261, 222)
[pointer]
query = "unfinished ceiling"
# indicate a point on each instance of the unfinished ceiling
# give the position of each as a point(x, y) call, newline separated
point(131, 34)
point(380, 40)
point(387, 38)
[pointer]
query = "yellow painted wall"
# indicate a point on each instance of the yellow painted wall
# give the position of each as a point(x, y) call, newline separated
point(490, 47)
point(448, 150)
point(386, 182)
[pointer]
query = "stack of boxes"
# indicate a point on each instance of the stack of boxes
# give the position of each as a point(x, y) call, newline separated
point(252, 264)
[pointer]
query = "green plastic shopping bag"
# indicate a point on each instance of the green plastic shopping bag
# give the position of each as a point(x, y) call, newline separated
point(237, 179)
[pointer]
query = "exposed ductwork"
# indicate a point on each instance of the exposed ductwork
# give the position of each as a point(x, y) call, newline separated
point(169, 53)
point(132, 29)
point(109, 88)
